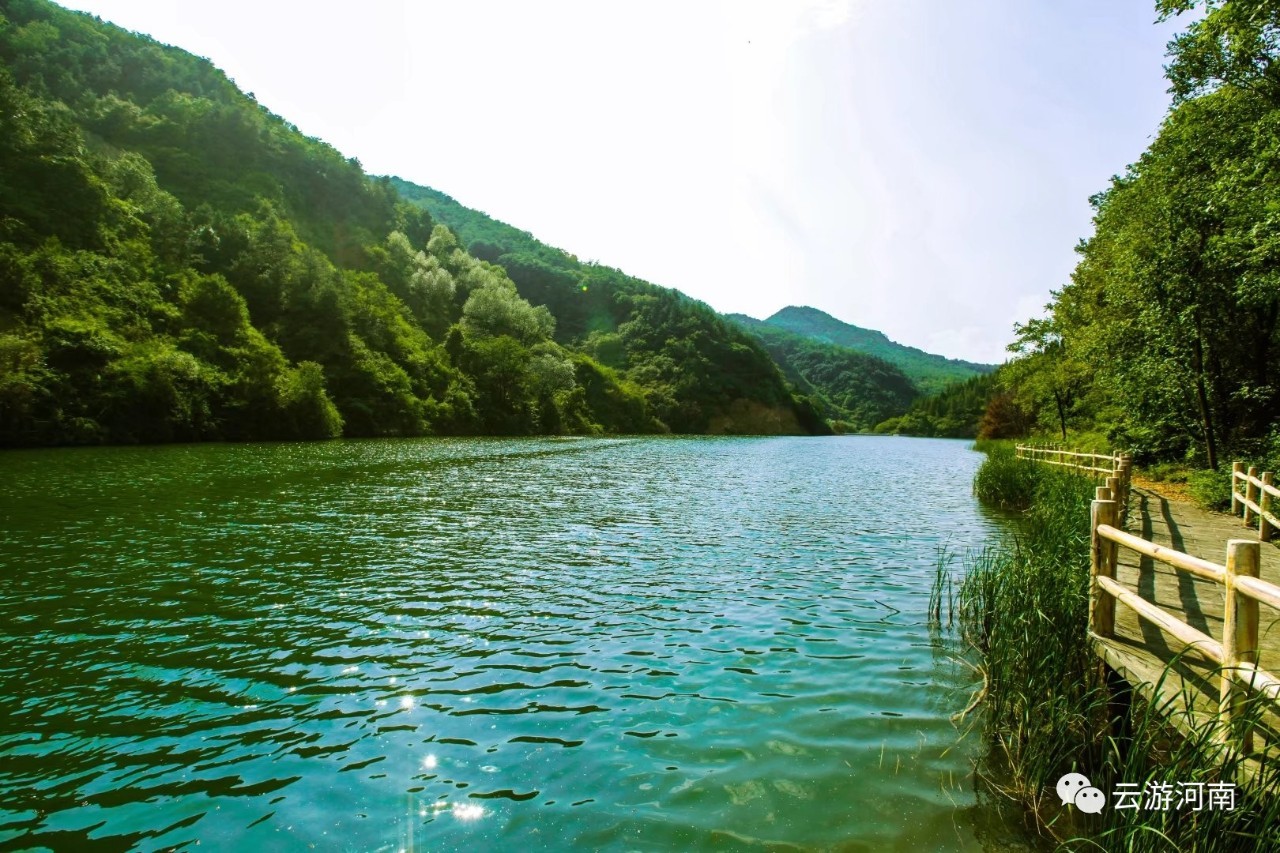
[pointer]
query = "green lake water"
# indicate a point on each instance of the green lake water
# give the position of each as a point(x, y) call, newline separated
point(653, 644)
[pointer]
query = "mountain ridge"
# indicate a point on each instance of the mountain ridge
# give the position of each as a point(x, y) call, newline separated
point(855, 391)
point(929, 371)
point(181, 264)
point(612, 316)
point(857, 377)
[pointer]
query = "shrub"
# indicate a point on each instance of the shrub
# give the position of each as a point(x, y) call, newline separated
point(1211, 489)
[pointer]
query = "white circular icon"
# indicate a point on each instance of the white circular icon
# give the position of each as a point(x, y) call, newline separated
point(1070, 785)
point(1090, 800)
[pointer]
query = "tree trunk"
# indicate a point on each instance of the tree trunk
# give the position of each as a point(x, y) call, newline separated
point(1062, 414)
point(1202, 398)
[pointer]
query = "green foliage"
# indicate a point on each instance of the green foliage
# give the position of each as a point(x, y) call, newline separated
point(1004, 480)
point(1048, 377)
point(499, 367)
point(418, 279)
point(307, 409)
point(697, 371)
point(1167, 338)
point(617, 405)
point(1168, 303)
point(1167, 472)
point(957, 411)
point(176, 263)
point(928, 372)
point(1235, 43)
point(848, 386)
point(495, 308)
point(1211, 489)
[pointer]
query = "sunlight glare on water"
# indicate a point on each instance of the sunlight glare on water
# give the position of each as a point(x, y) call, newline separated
point(440, 644)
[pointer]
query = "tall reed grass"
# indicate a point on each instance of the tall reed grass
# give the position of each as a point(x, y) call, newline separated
point(1022, 605)
point(1004, 480)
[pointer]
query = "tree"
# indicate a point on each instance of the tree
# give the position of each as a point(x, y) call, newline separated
point(419, 279)
point(500, 368)
point(1172, 303)
point(1235, 44)
point(495, 308)
point(306, 406)
point(1047, 370)
point(1004, 418)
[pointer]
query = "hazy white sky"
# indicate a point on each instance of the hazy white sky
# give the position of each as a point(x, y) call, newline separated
point(916, 166)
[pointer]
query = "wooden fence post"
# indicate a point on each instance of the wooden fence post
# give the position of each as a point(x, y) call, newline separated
point(1237, 468)
point(1264, 503)
point(1102, 554)
point(1239, 636)
point(1250, 494)
point(1127, 479)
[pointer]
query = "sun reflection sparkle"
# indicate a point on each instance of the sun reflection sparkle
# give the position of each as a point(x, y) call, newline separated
point(468, 811)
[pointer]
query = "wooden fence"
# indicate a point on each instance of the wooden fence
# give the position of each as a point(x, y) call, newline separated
point(1116, 468)
point(1253, 498)
point(1243, 591)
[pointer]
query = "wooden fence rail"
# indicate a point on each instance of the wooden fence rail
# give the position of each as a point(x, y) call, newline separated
point(1253, 498)
point(1243, 591)
point(1116, 468)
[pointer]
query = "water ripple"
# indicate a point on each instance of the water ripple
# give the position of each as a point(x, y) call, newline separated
point(606, 643)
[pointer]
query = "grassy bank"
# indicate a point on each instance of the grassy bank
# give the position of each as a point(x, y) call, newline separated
point(1022, 606)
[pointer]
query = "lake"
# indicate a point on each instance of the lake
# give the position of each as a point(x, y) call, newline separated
point(649, 643)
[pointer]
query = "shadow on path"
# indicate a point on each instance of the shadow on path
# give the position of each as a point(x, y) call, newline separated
point(1186, 582)
point(1152, 636)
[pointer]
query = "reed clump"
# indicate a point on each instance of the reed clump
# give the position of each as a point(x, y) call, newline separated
point(1022, 605)
point(1004, 480)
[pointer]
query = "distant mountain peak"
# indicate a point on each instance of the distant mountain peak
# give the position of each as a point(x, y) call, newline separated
point(930, 372)
point(819, 319)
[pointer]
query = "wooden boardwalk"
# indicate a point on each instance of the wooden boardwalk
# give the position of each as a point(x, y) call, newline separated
point(1141, 653)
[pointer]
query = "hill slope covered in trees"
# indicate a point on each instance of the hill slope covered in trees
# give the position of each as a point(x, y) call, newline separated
point(855, 391)
point(930, 373)
point(178, 263)
point(699, 369)
point(957, 411)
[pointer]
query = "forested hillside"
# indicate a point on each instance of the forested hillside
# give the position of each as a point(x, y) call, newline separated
point(1167, 338)
point(956, 411)
point(699, 370)
point(178, 263)
point(854, 391)
point(930, 373)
